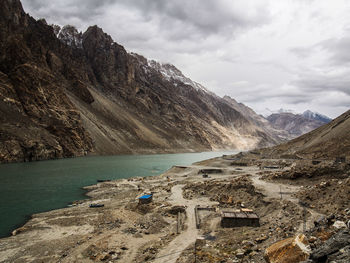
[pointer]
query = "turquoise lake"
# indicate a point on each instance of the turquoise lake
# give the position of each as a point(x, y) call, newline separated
point(28, 188)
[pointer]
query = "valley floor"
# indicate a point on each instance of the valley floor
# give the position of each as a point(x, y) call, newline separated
point(165, 230)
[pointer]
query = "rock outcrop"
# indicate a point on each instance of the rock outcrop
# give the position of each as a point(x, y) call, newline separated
point(290, 250)
point(335, 249)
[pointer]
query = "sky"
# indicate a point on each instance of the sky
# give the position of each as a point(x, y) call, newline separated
point(267, 54)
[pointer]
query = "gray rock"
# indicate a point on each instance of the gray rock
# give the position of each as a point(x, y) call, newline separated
point(331, 247)
point(342, 256)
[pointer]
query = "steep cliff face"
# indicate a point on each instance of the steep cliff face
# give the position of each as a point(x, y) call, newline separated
point(64, 93)
point(38, 121)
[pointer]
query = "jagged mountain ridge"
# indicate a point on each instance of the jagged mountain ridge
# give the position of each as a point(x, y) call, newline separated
point(63, 98)
point(297, 124)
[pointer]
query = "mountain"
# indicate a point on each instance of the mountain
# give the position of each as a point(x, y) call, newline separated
point(297, 124)
point(267, 112)
point(328, 141)
point(260, 121)
point(316, 116)
point(64, 93)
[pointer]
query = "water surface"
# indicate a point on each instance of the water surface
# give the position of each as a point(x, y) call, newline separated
point(28, 188)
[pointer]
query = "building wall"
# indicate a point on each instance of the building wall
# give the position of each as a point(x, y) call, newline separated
point(237, 222)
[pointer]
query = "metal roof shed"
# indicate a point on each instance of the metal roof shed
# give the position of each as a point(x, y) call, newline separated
point(237, 219)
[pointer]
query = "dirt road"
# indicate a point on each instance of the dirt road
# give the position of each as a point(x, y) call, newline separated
point(171, 252)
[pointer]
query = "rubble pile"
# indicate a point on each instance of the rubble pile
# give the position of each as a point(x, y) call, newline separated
point(328, 196)
point(312, 171)
point(329, 240)
point(151, 223)
point(238, 192)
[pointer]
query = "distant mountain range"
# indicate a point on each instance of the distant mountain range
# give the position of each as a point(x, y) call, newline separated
point(329, 141)
point(64, 93)
point(316, 116)
point(297, 124)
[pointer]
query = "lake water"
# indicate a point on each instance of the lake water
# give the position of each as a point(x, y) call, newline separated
point(28, 188)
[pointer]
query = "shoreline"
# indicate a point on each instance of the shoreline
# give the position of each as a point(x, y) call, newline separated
point(165, 229)
point(29, 217)
point(88, 155)
point(84, 192)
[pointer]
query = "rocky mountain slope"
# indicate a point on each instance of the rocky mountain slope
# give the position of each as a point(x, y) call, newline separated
point(297, 124)
point(259, 120)
point(328, 141)
point(316, 116)
point(67, 94)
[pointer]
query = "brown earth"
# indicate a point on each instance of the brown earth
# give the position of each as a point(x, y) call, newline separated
point(326, 142)
point(165, 230)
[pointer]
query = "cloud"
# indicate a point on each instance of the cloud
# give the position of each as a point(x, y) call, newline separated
point(66, 10)
point(302, 52)
point(266, 53)
point(338, 49)
point(179, 19)
point(330, 76)
point(201, 17)
point(327, 82)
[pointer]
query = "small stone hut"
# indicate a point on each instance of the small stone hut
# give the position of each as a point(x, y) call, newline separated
point(239, 218)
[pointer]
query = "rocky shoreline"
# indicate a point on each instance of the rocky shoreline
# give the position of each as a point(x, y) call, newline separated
point(165, 230)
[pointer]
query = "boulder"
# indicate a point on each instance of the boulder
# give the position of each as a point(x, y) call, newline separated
point(331, 246)
point(290, 250)
point(339, 224)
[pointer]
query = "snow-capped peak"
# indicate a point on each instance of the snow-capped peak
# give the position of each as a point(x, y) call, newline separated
point(171, 73)
point(68, 35)
point(316, 116)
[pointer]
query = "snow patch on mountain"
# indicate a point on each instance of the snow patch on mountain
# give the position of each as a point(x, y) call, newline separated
point(69, 35)
point(267, 112)
point(316, 116)
point(173, 74)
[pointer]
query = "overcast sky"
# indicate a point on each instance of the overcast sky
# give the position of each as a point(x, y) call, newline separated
point(267, 54)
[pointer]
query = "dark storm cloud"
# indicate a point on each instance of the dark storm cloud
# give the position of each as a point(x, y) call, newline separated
point(179, 19)
point(205, 17)
point(66, 9)
point(288, 94)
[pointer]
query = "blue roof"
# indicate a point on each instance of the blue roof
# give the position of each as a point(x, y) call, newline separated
point(145, 197)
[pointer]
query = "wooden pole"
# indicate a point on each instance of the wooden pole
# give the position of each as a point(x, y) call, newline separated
point(195, 251)
point(281, 191)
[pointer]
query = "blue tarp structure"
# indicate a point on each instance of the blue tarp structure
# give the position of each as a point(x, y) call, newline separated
point(145, 197)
